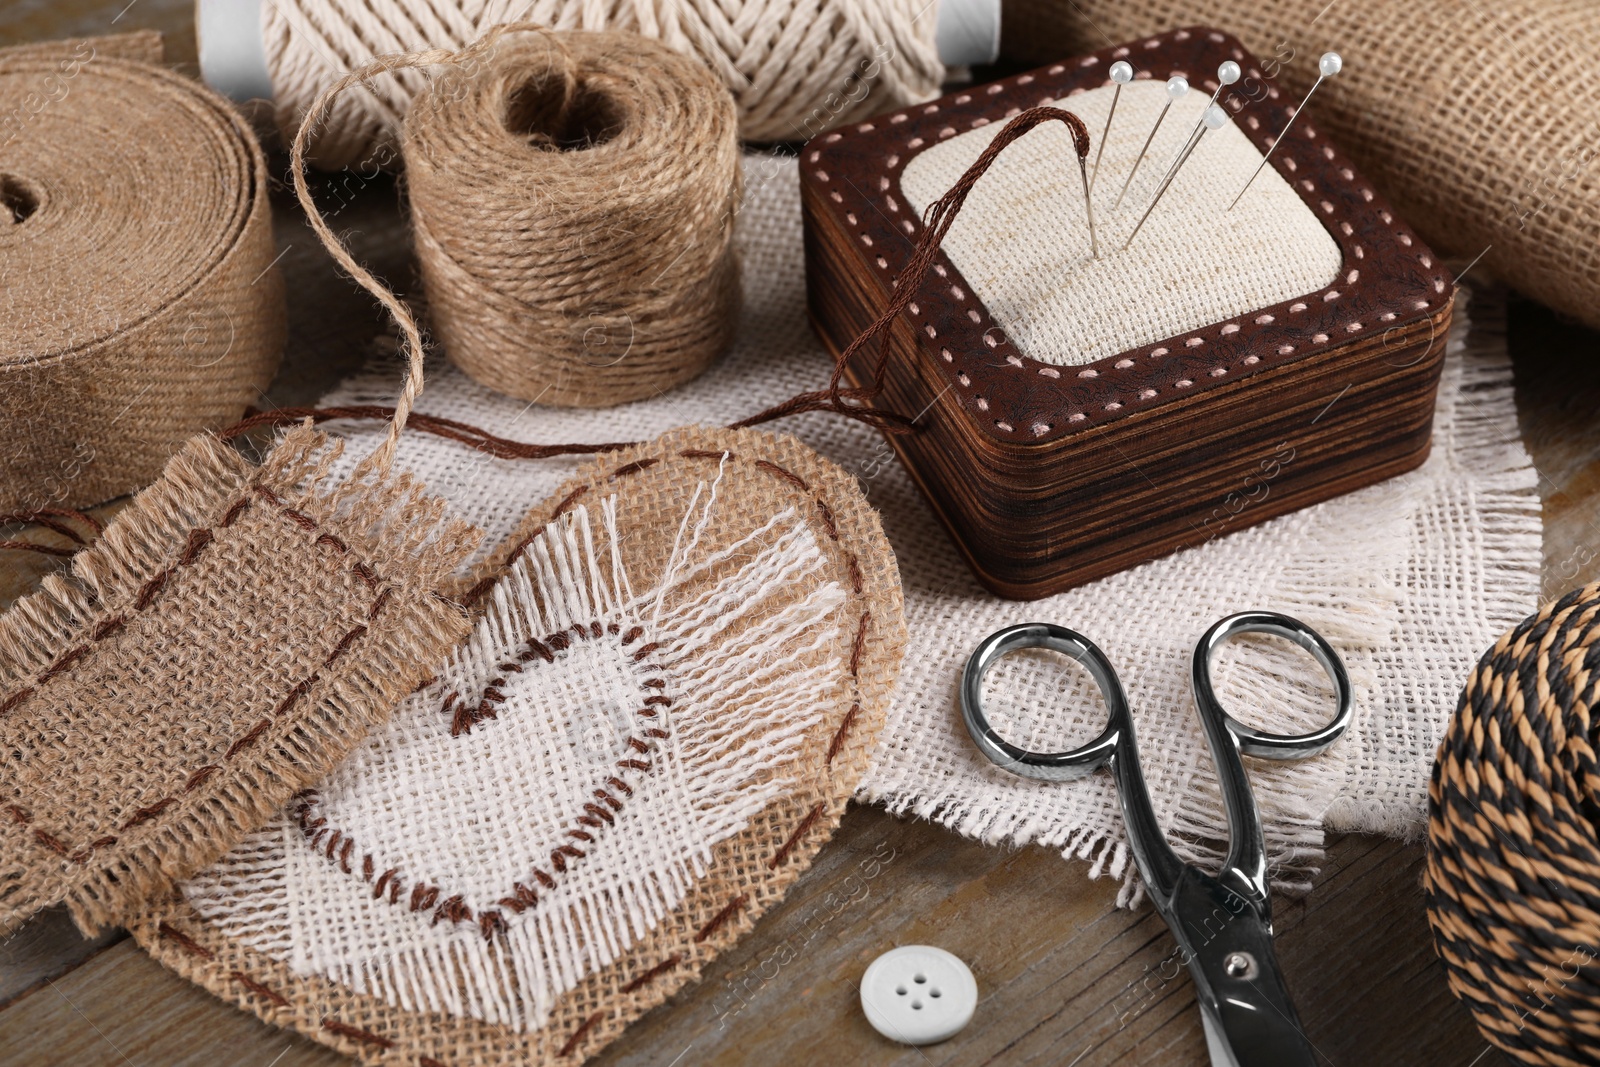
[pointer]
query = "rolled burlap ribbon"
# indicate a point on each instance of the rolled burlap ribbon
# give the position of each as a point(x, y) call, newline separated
point(1481, 125)
point(573, 196)
point(138, 301)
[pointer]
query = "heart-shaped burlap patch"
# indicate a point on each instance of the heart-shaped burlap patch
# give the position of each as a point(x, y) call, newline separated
point(669, 695)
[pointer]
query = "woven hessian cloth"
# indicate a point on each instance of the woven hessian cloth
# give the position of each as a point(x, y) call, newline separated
point(1478, 121)
point(235, 630)
point(670, 697)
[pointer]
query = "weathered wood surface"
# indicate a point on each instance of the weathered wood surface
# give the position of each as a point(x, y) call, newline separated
point(1064, 977)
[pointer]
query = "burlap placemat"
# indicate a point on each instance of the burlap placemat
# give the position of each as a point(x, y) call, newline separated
point(230, 636)
point(1478, 121)
point(684, 659)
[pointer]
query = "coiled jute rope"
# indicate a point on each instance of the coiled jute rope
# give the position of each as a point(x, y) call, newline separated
point(1513, 875)
point(138, 298)
point(573, 197)
point(794, 69)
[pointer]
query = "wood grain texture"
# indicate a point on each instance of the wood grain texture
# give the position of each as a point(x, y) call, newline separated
point(1061, 973)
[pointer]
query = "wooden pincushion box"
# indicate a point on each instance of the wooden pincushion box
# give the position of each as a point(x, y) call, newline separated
point(1080, 416)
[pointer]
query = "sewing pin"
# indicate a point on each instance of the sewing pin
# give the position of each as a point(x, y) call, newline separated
point(1330, 64)
point(1177, 87)
point(1227, 73)
point(1214, 119)
point(1121, 74)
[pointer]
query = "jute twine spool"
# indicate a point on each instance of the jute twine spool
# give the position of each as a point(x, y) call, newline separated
point(573, 197)
point(794, 69)
point(138, 303)
point(1513, 877)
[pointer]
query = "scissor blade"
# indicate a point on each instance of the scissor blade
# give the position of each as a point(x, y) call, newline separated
point(1249, 1018)
point(1216, 1044)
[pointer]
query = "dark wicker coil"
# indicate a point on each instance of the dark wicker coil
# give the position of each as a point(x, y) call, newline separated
point(1513, 878)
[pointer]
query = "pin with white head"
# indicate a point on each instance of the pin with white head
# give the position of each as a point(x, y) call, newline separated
point(1330, 64)
point(1177, 88)
point(1121, 74)
point(1227, 73)
point(1214, 119)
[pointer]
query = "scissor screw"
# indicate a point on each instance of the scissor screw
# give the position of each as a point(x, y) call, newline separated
point(1239, 965)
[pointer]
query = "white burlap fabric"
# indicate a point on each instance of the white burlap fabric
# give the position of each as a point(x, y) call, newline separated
point(1023, 239)
point(1409, 580)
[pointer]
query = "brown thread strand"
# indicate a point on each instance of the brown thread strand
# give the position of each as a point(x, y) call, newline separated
point(198, 778)
point(51, 842)
point(248, 739)
point(260, 990)
point(653, 973)
point(635, 467)
point(577, 1035)
point(355, 1033)
point(787, 475)
point(720, 917)
point(860, 644)
point(183, 941)
point(837, 744)
point(108, 627)
point(144, 815)
point(799, 831)
point(61, 665)
point(198, 540)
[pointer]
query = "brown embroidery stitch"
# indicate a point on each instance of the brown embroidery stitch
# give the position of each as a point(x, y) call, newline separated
point(183, 941)
point(635, 467)
point(721, 917)
point(197, 541)
point(787, 475)
point(198, 778)
point(653, 973)
point(355, 1033)
point(259, 990)
point(837, 744)
point(794, 839)
point(577, 1035)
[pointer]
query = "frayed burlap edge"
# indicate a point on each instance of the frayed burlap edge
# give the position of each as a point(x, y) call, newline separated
point(749, 872)
point(386, 523)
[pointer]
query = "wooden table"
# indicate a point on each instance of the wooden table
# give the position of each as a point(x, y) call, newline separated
point(1065, 978)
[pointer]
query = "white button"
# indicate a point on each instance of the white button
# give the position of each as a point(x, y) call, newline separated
point(918, 994)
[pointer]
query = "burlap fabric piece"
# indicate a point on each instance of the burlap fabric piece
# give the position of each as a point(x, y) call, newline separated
point(685, 656)
point(1478, 121)
point(140, 302)
point(1409, 579)
point(232, 634)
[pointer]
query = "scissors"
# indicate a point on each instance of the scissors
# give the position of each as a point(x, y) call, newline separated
point(1222, 923)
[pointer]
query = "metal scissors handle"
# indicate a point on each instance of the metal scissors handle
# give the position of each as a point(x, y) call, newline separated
point(1223, 923)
